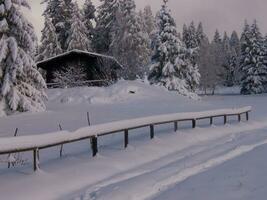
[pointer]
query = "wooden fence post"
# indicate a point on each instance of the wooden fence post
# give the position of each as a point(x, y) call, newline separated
point(239, 117)
point(126, 138)
point(211, 120)
point(35, 159)
point(152, 131)
point(88, 119)
point(225, 119)
point(175, 126)
point(194, 122)
point(94, 146)
point(15, 135)
point(61, 147)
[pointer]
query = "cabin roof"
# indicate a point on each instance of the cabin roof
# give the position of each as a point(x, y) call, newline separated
point(77, 52)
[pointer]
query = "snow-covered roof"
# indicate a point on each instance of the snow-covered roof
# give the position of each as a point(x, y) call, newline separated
point(92, 54)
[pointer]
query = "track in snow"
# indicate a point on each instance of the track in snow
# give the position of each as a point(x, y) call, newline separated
point(149, 180)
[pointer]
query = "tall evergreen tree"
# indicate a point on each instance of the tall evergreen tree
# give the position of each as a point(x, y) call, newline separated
point(77, 38)
point(217, 52)
point(228, 72)
point(130, 43)
point(149, 20)
point(60, 12)
point(169, 67)
point(236, 49)
point(185, 34)
point(22, 86)
point(89, 18)
point(191, 41)
point(252, 63)
point(200, 35)
point(217, 37)
point(235, 42)
point(49, 42)
point(106, 25)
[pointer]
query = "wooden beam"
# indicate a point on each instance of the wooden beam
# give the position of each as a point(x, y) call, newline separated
point(94, 146)
point(211, 120)
point(35, 159)
point(239, 117)
point(175, 126)
point(88, 119)
point(152, 133)
point(194, 123)
point(126, 138)
point(247, 117)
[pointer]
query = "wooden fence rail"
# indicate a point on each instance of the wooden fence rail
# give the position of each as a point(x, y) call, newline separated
point(38, 142)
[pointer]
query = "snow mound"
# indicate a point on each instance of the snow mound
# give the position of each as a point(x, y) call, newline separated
point(122, 91)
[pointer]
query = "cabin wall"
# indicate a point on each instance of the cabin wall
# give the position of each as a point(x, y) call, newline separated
point(96, 68)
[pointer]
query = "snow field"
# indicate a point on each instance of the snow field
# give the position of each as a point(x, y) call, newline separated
point(76, 174)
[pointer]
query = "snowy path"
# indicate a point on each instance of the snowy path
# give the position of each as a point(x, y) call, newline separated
point(151, 179)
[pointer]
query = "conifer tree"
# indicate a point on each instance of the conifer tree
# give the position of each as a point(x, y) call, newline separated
point(106, 25)
point(130, 43)
point(235, 42)
point(252, 63)
point(169, 64)
point(60, 12)
point(49, 42)
point(217, 37)
point(217, 52)
point(77, 38)
point(89, 18)
point(191, 41)
point(200, 34)
point(236, 48)
point(22, 86)
point(227, 74)
point(149, 20)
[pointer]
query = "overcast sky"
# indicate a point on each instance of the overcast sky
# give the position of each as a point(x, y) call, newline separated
point(222, 14)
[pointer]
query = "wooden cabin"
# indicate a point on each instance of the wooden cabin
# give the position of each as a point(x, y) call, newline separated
point(99, 68)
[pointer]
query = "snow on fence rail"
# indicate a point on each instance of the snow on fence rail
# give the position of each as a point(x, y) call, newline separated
point(37, 142)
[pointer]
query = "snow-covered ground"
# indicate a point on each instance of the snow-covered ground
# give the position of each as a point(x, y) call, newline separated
point(205, 163)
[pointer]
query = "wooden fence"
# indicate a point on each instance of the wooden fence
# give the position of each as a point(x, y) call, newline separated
point(38, 142)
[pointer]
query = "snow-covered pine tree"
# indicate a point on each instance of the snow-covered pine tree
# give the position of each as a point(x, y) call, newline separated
point(22, 86)
point(200, 35)
point(77, 37)
point(217, 37)
point(191, 40)
point(89, 18)
point(253, 68)
point(235, 44)
point(149, 20)
point(217, 52)
point(169, 67)
point(106, 24)
point(185, 34)
point(49, 42)
point(206, 66)
point(60, 12)
point(130, 43)
point(228, 72)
